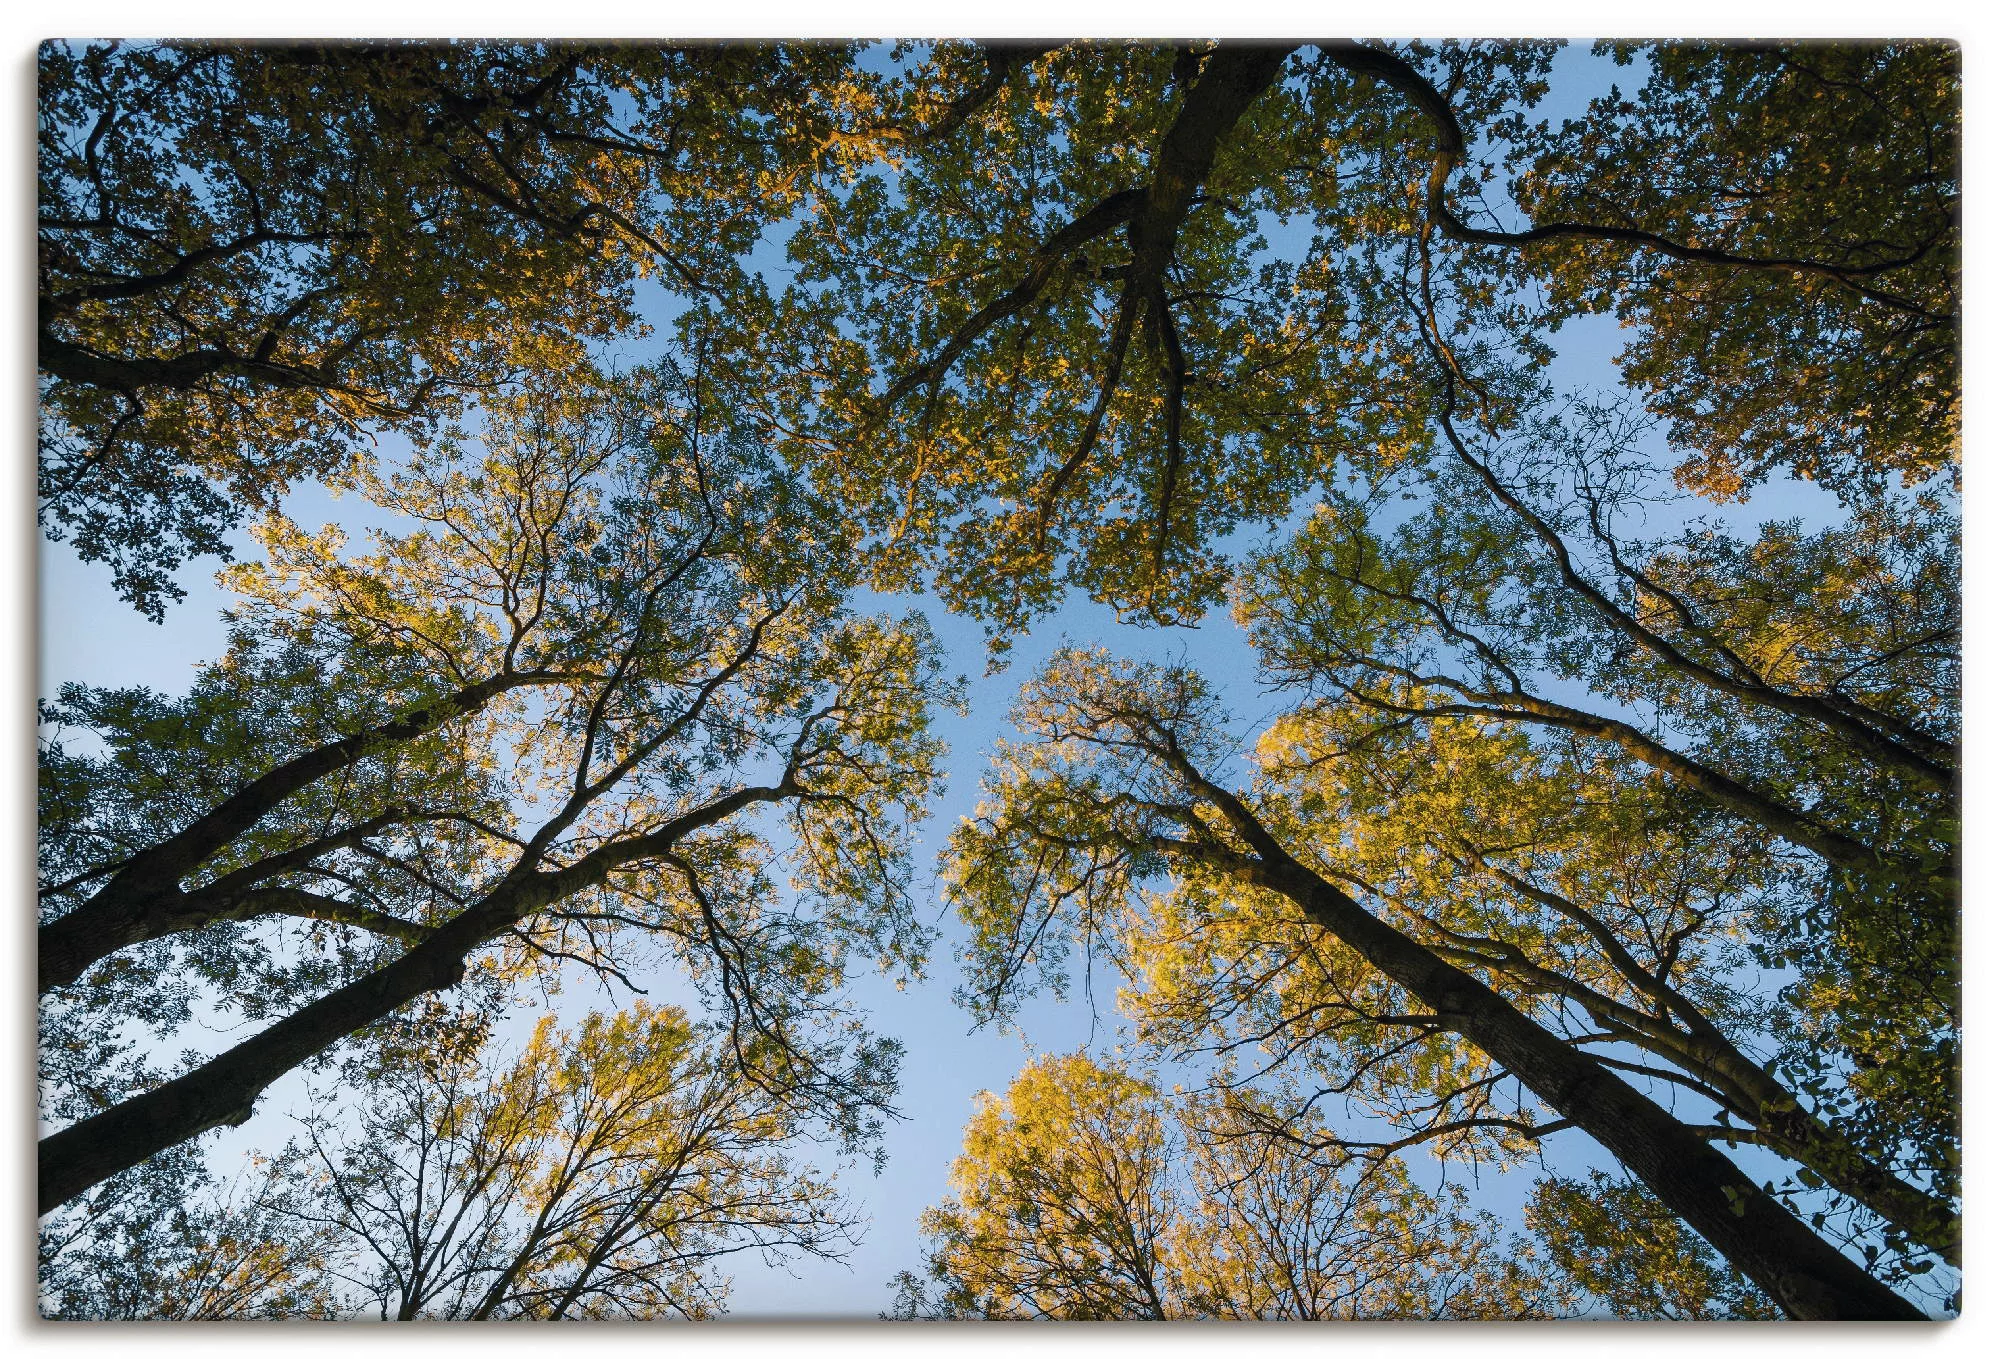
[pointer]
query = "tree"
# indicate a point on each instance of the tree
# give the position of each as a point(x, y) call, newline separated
point(666, 599)
point(1119, 786)
point(1062, 1207)
point(601, 1175)
point(254, 259)
point(1802, 686)
point(1110, 303)
point(1121, 365)
point(1084, 1193)
point(1839, 359)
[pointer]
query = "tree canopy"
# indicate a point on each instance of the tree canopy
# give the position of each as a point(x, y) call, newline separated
point(1122, 785)
point(254, 260)
point(1086, 1193)
point(689, 662)
point(600, 1175)
point(1605, 787)
point(1158, 293)
point(603, 1174)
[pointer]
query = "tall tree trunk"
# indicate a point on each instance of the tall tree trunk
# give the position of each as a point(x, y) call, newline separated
point(224, 1089)
point(1800, 1272)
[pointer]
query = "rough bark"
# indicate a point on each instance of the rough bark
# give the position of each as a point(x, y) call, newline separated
point(224, 1090)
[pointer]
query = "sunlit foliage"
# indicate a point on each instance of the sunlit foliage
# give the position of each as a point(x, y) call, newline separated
point(1086, 1193)
point(605, 1173)
point(1424, 924)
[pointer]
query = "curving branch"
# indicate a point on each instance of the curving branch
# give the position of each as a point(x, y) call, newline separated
point(1805, 1275)
point(1100, 219)
point(296, 901)
point(1231, 79)
point(225, 1089)
point(1406, 80)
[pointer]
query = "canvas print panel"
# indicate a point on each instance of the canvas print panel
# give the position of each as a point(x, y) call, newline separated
point(948, 680)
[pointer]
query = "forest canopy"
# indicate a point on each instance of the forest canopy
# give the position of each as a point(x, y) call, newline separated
point(1573, 792)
